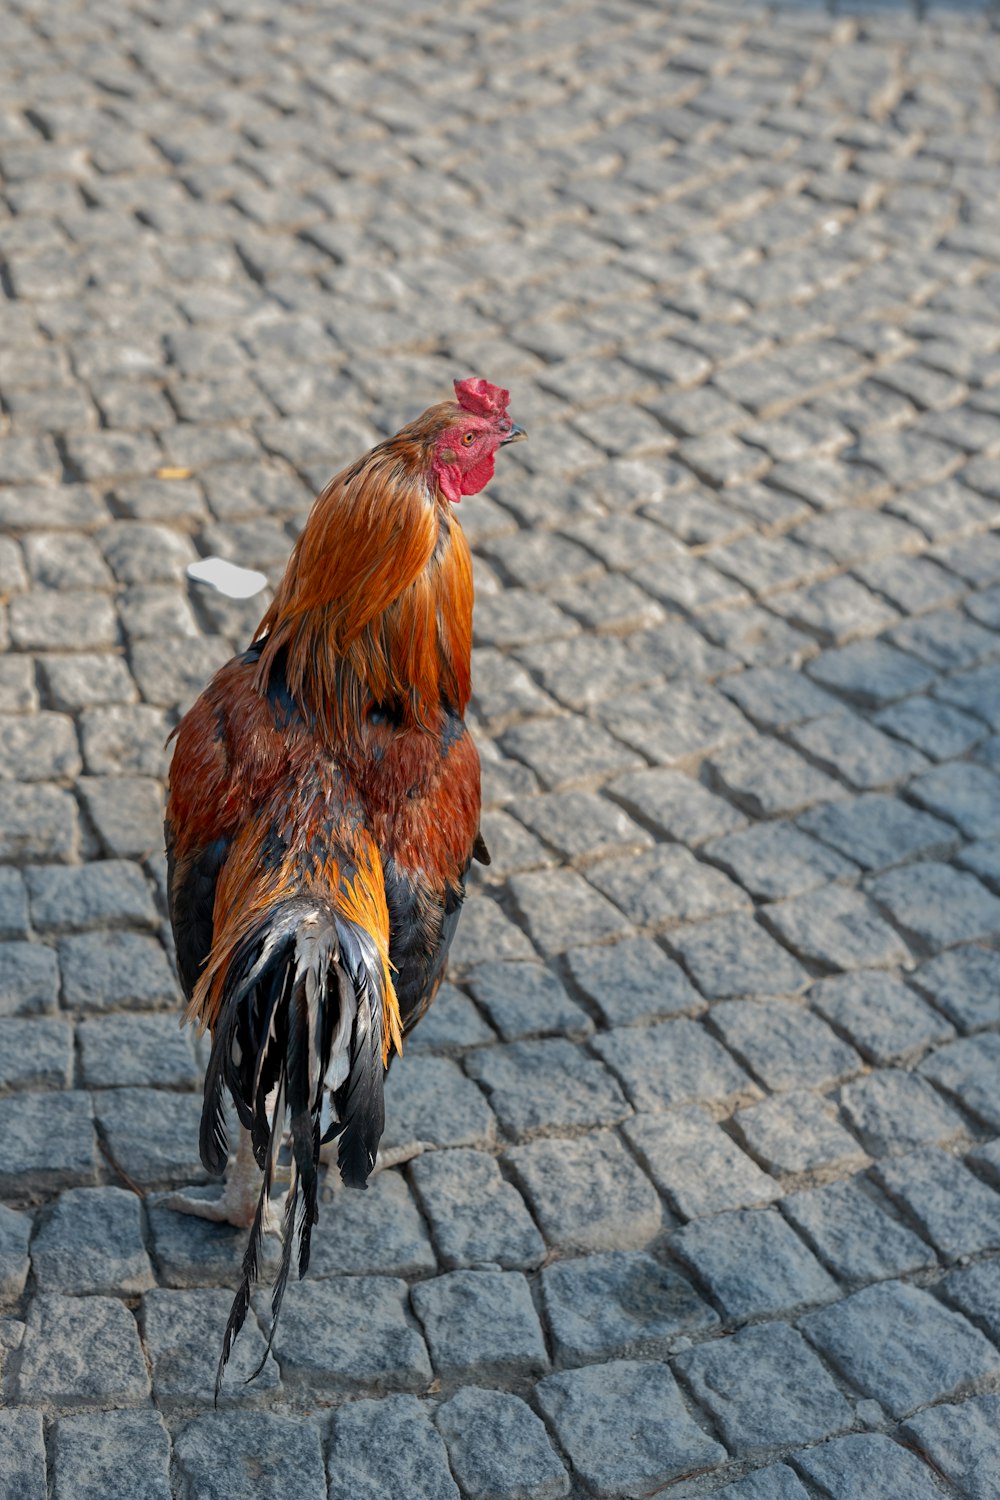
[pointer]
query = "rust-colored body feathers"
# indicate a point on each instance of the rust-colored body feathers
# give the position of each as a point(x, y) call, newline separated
point(323, 809)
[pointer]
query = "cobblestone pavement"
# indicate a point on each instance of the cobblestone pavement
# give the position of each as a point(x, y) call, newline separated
point(712, 1104)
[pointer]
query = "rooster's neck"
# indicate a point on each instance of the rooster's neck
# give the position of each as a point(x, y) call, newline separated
point(375, 609)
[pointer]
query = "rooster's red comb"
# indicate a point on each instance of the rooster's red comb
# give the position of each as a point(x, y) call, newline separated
point(481, 398)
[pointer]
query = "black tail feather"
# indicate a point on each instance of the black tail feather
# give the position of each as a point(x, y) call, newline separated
point(281, 1278)
point(360, 1102)
point(288, 988)
point(251, 1260)
point(214, 1139)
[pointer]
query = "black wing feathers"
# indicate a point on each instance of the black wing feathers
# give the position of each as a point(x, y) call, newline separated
point(192, 904)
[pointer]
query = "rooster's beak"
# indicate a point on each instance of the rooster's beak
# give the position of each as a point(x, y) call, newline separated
point(514, 436)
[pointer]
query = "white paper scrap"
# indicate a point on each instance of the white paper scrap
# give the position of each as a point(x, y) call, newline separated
point(227, 578)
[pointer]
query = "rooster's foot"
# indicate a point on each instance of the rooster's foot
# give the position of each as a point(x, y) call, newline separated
point(237, 1203)
point(228, 1208)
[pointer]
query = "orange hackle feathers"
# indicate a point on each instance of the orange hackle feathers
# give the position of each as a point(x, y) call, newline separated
point(358, 613)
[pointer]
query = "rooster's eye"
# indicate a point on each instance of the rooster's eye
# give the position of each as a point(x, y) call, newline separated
point(469, 438)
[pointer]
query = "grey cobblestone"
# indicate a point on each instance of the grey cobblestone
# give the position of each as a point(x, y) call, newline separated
point(99, 1454)
point(91, 1241)
point(557, 907)
point(853, 1233)
point(453, 1022)
point(974, 1291)
point(549, 1084)
point(981, 858)
point(774, 860)
point(476, 1217)
point(127, 738)
point(734, 956)
point(838, 928)
point(836, 610)
point(797, 1132)
point(249, 1456)
point(783, 1044)
point(480, 1324)
point(51, 1141)
point(633, 981)
point(35, 1053)
point(526, 1000)
point(487, 934)
point(676, 1063)
point(587, 1194)
point(18, 693)
point(973, 690)
point(968, 795)
point(100, 894)
point(773, 1483)
point(428, 1099)
point(192, 1252)
point(126, 811)
point(967, 1069)
point(689, 719)
point(753, 1264)
point(803, 1402)
point(938, 905)
point(861, 755)
point(666, 885)
point(884, 1019)
point(871, 673)
point(81, 681)
point(624, 1426)
point(379, 1231)
point(107, 969)
point(864, 1458)
point(183, 1368)
point(38, 823)
point(376, 1445)
point(349, 1334)
point(961, 1441)
point(878, 831)
point(696, 1164)
point(676, 805)
point(619, 1305)
point(957, 1212)
point(151, 1134)
point(965, 984)
point(128, 1049)
point(775, 697)
point(81, 1351)
point(498, 1448)
point(22, 1453)
point(15, 1232)
point(769, 779)
point(13, 904)
point(892, 1111)
point(910, 1350)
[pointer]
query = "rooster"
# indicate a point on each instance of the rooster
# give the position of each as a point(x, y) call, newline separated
point(322, 815)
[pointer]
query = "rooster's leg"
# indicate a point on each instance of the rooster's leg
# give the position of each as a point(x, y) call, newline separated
point(238, 1201)
point(395, 1156)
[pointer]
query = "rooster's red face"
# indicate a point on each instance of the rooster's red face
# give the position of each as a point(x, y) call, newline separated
point(465, 452)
